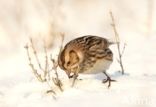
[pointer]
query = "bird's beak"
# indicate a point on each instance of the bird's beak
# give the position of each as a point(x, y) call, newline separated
point(68, 73)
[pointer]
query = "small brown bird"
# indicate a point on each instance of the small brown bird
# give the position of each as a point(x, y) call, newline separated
point(86, 55)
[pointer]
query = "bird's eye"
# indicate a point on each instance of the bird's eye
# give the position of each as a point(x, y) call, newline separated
point(68, 63)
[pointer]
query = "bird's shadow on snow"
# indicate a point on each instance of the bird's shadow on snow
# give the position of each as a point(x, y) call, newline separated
point(118, 74)
point(115, 75)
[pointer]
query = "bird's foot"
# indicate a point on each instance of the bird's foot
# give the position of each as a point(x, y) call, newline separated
point(109, 80)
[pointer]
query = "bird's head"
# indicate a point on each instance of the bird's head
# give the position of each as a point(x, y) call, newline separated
point(68, 61)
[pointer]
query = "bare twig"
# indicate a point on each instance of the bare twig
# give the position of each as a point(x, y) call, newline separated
point(123, 50)
point(42, 77)
point(38, 76)
point(118, 42)
point(35, 53)
point(51, 91)
point(44, 74)
point(56, 80)
point(46, 62)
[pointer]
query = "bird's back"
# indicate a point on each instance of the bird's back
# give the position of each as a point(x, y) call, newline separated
point(90, 52)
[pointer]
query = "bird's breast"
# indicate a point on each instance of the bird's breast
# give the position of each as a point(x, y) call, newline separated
point(99, 66)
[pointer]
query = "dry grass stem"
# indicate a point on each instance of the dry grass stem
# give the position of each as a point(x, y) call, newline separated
point(118, 42)
point(46, 62)
point(34, 70)
point(123, 50)
point(35, 53)
point(56, 80)
point(43, 74)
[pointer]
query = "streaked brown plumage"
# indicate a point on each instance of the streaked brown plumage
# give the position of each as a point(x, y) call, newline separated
point(87, 54)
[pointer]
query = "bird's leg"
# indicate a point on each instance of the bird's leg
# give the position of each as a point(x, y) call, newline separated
point(109, 80)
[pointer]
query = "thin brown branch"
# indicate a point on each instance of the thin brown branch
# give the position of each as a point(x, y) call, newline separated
point(46, 62)
point(123, 50)
point(117, 41)
point(56, 80)
point(44, 74)
point(37, 75)
point(35, 53)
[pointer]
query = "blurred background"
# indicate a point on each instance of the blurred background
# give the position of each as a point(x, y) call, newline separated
point(47, 19)
point(21, 19)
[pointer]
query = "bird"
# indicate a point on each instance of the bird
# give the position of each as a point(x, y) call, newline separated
point(87, 54)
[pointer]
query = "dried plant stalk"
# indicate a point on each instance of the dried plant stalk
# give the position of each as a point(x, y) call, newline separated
point(40, 73)
point(56, 80)
point(34, 70)
point(46, 62)
point(43, 73)
point(35, 53)
point(118, 42)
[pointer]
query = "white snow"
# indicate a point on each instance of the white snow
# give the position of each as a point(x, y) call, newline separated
point(20, 88)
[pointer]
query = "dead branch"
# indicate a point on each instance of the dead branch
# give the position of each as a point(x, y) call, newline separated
point(40, 73)
point(56, 80)
point(44, 74)
point(34, 70)
point(118, 42)
point(123, 50)
point(35, 53)
point(46, 62)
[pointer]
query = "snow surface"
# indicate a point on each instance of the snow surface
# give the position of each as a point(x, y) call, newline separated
point(19, 87)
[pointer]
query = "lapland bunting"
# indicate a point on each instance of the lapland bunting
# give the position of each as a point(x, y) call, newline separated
point(87, 55)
